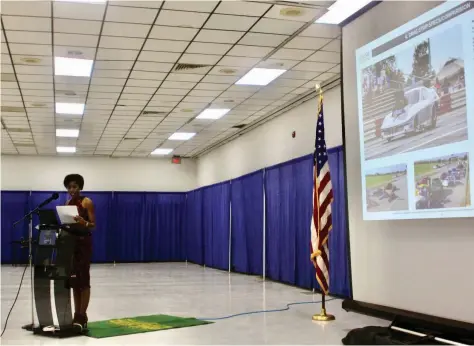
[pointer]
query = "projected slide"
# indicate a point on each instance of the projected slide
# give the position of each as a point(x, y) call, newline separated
point(416, 117)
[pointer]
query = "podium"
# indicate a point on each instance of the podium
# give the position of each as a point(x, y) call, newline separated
point(52, 268)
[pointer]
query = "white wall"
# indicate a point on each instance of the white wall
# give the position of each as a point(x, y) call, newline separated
point(272, 143)
point(100, 174)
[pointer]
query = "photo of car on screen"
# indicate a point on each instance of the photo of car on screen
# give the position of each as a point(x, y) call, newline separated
point(415, 98)
point(386, 188)
point(442, 182)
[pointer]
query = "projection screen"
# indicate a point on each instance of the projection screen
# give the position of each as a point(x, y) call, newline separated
point(409, 136)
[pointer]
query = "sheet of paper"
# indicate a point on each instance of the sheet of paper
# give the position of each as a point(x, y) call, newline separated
point(67, 213)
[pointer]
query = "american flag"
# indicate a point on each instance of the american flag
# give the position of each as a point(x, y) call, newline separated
point(321, 223)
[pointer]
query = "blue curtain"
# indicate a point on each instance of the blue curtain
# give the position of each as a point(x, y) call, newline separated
point(288, 213)
point(128, 239)
point(163, 227)
point(104, 233)
point(216, 223)
point(14, 204)
point(194, 228)
point(247, 224)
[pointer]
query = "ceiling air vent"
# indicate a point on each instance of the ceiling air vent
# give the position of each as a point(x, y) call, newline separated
point(241, 126)
point(185, 67)
point(153, 113)
point(13, 109)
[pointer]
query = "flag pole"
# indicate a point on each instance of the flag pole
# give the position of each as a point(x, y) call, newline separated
point(322, 316)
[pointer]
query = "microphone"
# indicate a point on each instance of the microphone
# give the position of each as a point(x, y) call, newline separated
point(53, 197)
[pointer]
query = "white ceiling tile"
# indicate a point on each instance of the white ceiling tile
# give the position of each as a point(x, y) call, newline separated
point(199, 59)
point(75, 52)
point(181, 18)
point(75, 40)
point(278, 63)
point(165, 45)
point(249, 51)
point(126, 96)
point(288, 82)
point(146, 83)
point(206, 48)
point(105, 88)
point(322, 30)
point(325, 76)
point(241, 8)
point(78, 10)
point(26, 23)
point(323, 56)
point(158, 56)
point(110, 73)
point(291, 54)
point(116, 54)
point(216, 36)
point(108, 81)
point(41, 86)
point(238, 61)
point(228, 22)
point(220, 79)
point(146, 4)
point(302, 75)
point(148, 75)
point(265, 40)
point(125, 30)
point(35, 78)
point(275, 26)
point(314, 66)
point(177, 85)
point(184, 77)
point(153, 66)
point(27, 8)
point(138, 90)
point(198, 93)
point(130, 15)
point(312, 43)
point(113, 65)
point(192, 6)
point(333, 46)
point(28, 69)
point(174, 92)
point(306, 14)
point(121, 42)
point(173, 33)
point(75, 26)
point(211, 86)
point(29, 37)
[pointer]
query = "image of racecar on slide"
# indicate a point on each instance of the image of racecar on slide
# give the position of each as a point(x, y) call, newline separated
point(442, 182)
point(416, 98)
point(386, 188)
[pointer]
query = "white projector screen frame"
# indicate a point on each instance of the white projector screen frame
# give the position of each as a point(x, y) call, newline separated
point(424, 266)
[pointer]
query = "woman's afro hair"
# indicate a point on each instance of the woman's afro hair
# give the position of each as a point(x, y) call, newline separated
point(77, 178)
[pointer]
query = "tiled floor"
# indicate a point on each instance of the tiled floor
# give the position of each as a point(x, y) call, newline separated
point(128, 290)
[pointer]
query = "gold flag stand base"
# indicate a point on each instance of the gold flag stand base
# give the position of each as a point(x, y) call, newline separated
point(323, 316)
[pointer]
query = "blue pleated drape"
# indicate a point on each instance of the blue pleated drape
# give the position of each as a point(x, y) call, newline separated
point(14, 204)
point(247, 224)
point(288, 211)
point(194, 227)
point(216, 223)
point(163, 226)
point(103, 233)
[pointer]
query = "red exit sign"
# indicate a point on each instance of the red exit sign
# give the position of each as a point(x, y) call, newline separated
point(176, 160)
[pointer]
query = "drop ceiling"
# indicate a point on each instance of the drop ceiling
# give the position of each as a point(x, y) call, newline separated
point(142, 88)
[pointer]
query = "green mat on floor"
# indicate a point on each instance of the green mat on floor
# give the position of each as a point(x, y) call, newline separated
point(139, 324)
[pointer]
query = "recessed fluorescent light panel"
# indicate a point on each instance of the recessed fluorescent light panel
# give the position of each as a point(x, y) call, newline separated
point(260, 76)
point(213, 113)
point(341, 10)
point(181, 136)
point(72, 67)
point(66, 149)
point(161, 151)
point(67, 133)
point(70, 108)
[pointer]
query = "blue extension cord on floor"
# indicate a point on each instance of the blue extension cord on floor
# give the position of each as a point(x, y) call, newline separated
point(262, 311)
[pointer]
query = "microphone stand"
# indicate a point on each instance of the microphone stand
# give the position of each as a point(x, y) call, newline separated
point(29, 216)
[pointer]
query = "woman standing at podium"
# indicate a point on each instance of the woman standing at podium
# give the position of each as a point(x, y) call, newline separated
point(85, 222)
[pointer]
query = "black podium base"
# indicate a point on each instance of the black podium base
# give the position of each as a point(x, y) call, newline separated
point(61, 333)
